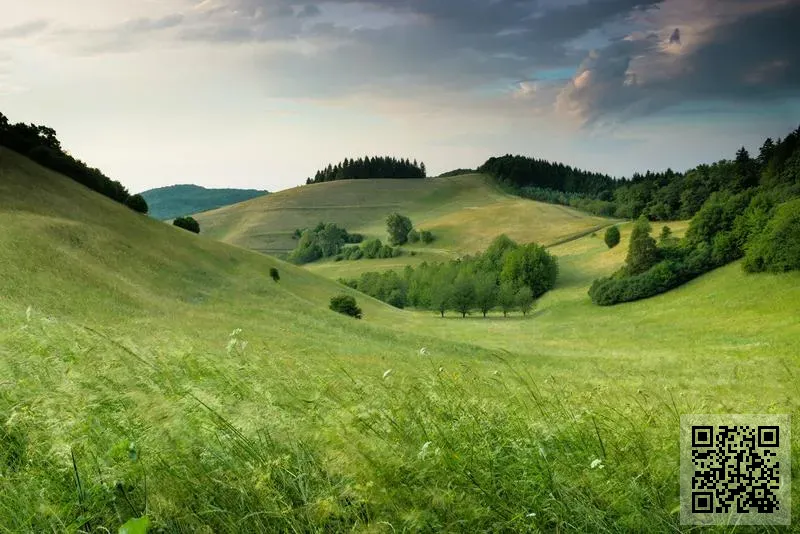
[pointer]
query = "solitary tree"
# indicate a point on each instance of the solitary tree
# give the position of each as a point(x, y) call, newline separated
point(346, 305)
point(398, 227)
point(612, 237)
point(137, 203)
point(187, 223)
point(642, 251)
point(525, 299)
point(273, 272)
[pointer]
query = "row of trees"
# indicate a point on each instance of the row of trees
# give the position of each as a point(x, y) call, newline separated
point(656, 195)
point(41, 144)
point(507, 276)
point(370, 167)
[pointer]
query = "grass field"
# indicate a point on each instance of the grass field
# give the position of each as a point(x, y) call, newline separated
point(464, 212)
point(127, 388)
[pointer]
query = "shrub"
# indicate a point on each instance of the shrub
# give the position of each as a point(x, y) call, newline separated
point(413, 236)
point(345, 304)
point(612, 237)
point(187, 223)
point(426, 237)
point(137, 203)
point(274, 274)
point(398, 227)
point(372, 248)
point(386, 251)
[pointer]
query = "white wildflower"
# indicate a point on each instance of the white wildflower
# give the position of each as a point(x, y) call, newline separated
point(597, 463)
point(532, 514)
point(423, 452)
point(496, 373)
point(386, 373)
point(28, 314)
point(423, 351)
point(441, 369)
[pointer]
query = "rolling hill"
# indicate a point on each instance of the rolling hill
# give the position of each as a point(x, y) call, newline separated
point(464, 212)
point(179, 200)
point(145, 370)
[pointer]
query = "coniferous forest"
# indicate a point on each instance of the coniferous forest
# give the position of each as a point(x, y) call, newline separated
point(370, 167)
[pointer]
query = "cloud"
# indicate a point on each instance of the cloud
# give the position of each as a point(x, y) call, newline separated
point(26, 29)
point(734, 51)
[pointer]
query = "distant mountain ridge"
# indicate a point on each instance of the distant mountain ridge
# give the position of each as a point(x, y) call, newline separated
point(185, 199)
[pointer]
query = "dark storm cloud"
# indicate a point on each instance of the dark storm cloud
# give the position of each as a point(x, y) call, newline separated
point(453, 44)
point(752, 59)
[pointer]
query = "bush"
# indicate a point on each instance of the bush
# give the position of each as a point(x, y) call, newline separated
point(612, 237)
point(777, 247)
point(413, 236)
point(345, 304)
point(274, 274)
point(137, 203)
point(372, 248)
point(187, 223)
point(398, 227)
point(426, 237)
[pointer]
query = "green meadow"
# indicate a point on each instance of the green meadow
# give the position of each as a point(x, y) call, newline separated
point(149, 372)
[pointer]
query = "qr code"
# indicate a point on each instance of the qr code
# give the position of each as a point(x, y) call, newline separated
point(735, 469)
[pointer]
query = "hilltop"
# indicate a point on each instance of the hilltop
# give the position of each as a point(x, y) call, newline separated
point(464, 213)
point(146, 370)
point(185, 199)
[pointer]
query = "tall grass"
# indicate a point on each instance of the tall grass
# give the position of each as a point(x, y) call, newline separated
point(96, 431)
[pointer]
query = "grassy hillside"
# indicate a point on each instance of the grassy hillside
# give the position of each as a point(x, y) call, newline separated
point(464, 212)
point(180, 200)
point(126, 388)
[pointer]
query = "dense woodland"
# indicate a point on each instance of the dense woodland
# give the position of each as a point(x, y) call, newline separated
point(507, 276)
point(40, 144)
point(369, 167)
point(753, 214)
point(659, 196)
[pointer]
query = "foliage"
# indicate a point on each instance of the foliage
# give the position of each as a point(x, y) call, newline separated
point(611, 237)
point(525, 300)
point(346, 304)
point(274, 274)
point(660, 196)
point(178, 200)
point(398, 226)
point(426, 236)
point(413, 236)
point(642, 251)
point(41, 144)
point(187, 223)
point(323, 241)
point(482, 282)
point(137, 203)
point(777, 247)
point(369, 167)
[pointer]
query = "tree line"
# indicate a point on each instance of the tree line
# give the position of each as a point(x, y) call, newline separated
point(41, 144)
point(370, 167)
point(507, 276)
point(659, 196)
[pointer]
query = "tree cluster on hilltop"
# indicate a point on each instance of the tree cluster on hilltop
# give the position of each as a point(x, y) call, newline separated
point(660, 196)
point(370, 167)
point(41, 144)
point(507, 276)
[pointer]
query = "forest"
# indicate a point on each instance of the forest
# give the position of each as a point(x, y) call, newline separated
point(369, 167)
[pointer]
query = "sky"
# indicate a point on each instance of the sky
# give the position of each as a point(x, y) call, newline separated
point(262, 93)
